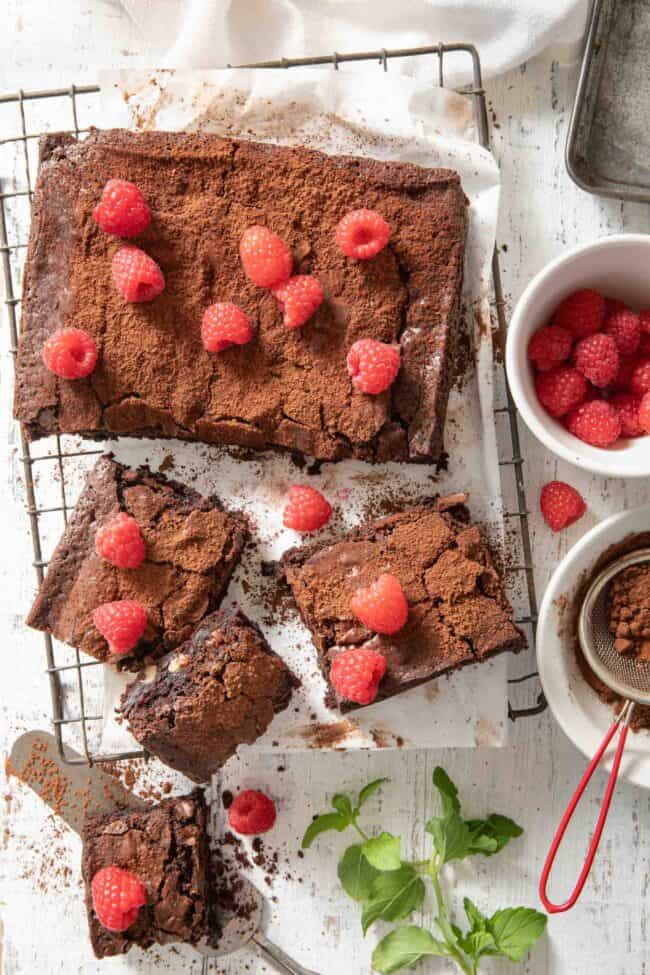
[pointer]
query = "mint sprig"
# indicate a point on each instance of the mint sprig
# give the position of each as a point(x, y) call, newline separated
point(389, 888)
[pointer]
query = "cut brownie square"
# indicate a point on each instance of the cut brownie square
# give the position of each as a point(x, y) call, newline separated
point(458, 611)
point(192, 548)
point(286, 389)
point(218, 690)
point(166, 847)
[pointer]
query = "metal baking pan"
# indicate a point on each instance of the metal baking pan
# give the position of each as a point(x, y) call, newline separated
point(608, 145)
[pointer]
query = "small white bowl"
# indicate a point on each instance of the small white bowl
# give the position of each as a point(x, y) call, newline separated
point(581, 714)
point(618, 267)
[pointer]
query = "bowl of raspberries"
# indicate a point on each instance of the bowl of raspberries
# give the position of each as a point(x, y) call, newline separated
point(578, 356)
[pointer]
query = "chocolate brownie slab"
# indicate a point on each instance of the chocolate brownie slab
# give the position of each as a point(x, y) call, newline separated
point(166, 847)
point(192, 548)
point(218, 690)
point(458, 611)
point(285, 389)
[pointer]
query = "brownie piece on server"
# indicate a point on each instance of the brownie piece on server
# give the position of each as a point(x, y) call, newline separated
point(458, 612)
point(218, 690)
point(164, 850)
point(186, 548)
point(286, 388)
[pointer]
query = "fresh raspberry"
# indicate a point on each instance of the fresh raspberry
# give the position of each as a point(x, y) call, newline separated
point(626, 366)
point(628, 410)
point(596, 357)
point(120, 542)
point(224, 324)
point(122, 209)
point(373, 365)
point(582, 313)
point(596, 423)
point(550, 346)
point(299, 297)
point(266, 258)
point(644, 413)
point(121, 623)
point(137, 277)
point(251, 813)
point(560, 390)
point(644, 320)
point(362, 234)
point(644, 345)
point(355, 674)
point(118, 896)
point(381, 606)
point(625, 328)
point(614, 304)
point(70, 353)
point(561, 505)
point(640, 379)
point(307, 509)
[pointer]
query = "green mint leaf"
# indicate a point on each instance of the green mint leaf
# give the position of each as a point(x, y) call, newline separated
point(323, 823)
point(498, 829)
point(478, 943)
point(393, 895)
point(355, 873)
point(369, 790)
point(482, 843)
point(404, 947)
point(477, 921)
point(515, 930)
point(342, 805)
point(448, 791)
point(382, 852)
point(452, 838)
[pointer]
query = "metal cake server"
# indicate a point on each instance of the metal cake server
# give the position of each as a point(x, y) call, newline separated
point(71, 789)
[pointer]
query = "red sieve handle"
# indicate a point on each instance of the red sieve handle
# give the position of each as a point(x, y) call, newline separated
point(624, 718)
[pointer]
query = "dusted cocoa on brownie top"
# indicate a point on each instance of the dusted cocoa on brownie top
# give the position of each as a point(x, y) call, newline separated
point(285, 388)
point(458, 612)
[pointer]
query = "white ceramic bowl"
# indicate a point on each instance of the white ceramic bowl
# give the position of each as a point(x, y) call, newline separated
point(618, 267)
point(577, 708)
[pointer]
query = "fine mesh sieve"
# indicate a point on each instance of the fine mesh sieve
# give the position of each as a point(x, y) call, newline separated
point(628, 677)
point(623, 673)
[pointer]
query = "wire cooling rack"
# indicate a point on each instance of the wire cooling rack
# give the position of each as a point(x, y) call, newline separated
point(76, 684)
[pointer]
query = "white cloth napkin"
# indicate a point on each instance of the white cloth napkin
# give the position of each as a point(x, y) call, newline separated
point(214, 33)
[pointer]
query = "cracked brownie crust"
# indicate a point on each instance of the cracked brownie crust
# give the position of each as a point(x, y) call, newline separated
point(166, 847)
point(285, 389)
point(218, 690)
point(192, 548)
point(458, 611)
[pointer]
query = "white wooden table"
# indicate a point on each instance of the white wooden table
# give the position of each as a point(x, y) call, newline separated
point(42, 923)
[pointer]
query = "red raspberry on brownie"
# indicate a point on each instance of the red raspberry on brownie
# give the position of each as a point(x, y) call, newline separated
point(137, 277)
point(639, 383)
point(355, 674)
point(70, 353)
point(628, 409)
point(120, 542)
point(381, 606)
point(121, 623)
point(596, 423)
point(582, 313)
point(625, 328)
point(307, 509)
point(362, 234)
point(561, 505)
point(644, 413)
point(117, 896)
point(266, 258)
point(550, 346)
point(122, 210)
point(299, 297)
point(224, 324)
point(373, 365)
point(560, 390)
point(251, 813)
point(596, 357)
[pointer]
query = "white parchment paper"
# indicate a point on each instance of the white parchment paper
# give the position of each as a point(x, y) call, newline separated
point(388, 117)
